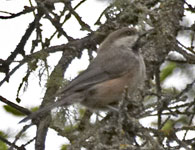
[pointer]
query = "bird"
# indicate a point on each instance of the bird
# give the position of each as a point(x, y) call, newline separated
point(118, 65)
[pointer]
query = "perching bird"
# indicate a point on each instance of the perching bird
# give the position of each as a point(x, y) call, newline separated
point(118, 65)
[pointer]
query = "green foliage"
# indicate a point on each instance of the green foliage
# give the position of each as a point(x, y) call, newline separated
point(64, 147)
point(167, 71)
point(12, 110)
point(168, 128)
point(82, 112)
point(70, 128)
point(33, 109)
point(15, 112)
point(3, 134)
point(3, 146)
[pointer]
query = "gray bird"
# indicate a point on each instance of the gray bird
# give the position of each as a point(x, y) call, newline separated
point(118, 65)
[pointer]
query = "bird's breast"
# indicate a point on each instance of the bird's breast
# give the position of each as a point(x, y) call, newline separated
point(109, 92)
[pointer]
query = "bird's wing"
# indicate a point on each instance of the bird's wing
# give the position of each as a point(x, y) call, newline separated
point(102, 69)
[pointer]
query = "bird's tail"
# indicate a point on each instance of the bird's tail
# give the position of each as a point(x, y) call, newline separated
point(74, 98)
